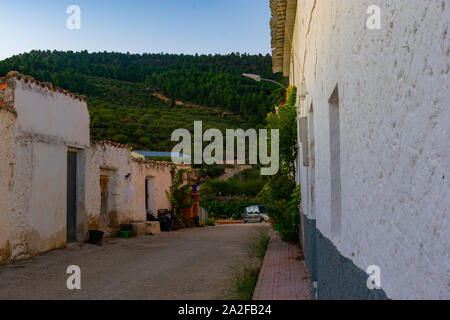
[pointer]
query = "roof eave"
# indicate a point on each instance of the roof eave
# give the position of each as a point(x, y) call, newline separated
point(282, 29)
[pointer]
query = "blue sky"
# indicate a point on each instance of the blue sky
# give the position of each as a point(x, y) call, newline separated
point(137, 26)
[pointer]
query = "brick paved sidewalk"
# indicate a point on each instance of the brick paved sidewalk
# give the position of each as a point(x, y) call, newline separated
point(283, 276)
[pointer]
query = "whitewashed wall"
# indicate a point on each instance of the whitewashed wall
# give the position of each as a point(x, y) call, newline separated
point(116, 160)
point(395, 134)
point(50, 115)
point(39, 125)
point(159, 173)
point(127, 194)
point(45, 123)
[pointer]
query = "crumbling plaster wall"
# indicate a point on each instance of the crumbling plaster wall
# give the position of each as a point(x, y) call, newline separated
point(162, 180)
point(40, 125)
point(47, 122)
point(108, 159)
point(395, 136)
point(7, 121)
point(127, 193)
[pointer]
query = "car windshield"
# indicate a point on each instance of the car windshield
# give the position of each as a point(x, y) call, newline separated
point(262, 209)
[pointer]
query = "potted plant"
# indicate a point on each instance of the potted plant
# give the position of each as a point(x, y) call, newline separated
point(178, 196)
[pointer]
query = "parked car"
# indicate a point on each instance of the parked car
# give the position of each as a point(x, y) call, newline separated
point(252, 214)
point(263, 213)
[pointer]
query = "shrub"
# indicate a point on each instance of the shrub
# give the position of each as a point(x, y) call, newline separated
point(245, 282)
point(232, 187)
point(283, 201)
point(259, 241)
point(229, 210)
point(237, 215)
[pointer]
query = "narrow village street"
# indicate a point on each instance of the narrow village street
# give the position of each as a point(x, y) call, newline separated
point(240, 152)
point(188, 264)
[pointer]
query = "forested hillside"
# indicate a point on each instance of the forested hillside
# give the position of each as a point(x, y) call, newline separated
point(126, 112)
point(121, 87)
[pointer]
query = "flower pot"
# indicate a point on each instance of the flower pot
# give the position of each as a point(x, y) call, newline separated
point(124, 233)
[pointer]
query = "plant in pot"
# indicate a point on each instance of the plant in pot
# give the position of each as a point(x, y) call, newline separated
point(177, 195)
point(125, 230)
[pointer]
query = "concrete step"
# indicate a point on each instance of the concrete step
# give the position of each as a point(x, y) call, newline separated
point(152, 227)
point(138, 229)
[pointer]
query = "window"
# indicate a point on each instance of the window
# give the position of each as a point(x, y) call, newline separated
point(335, 162)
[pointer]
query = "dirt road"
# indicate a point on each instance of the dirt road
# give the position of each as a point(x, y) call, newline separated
point(188, 264)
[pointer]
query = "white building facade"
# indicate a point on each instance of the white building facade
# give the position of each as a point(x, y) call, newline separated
point(374, 138)
point(55, 185)
point(41, 126)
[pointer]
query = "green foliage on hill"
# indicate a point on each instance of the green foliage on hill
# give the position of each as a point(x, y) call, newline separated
point(120, 91)
point(128, 113)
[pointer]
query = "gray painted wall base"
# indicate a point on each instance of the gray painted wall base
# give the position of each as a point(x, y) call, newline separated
point(337, 277)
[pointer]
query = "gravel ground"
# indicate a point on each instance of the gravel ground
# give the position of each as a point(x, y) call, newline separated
point(187, 264)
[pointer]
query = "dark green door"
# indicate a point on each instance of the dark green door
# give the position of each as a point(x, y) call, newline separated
point(71, 196)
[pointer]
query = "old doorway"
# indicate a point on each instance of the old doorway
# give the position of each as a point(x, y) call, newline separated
point(104, 187)
point(71, 196)
point(150, 196)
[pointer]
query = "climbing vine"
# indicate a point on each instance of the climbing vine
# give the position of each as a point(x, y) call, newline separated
point(178, 193)
point(281, 194)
